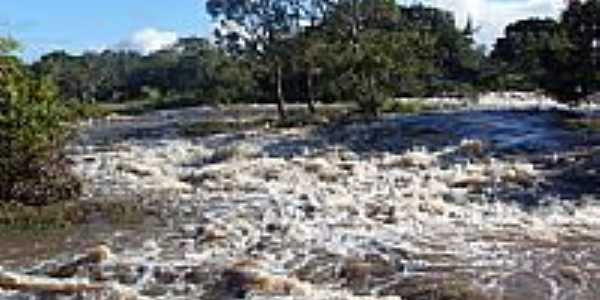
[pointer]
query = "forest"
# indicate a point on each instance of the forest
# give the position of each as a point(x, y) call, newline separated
point(328, 51)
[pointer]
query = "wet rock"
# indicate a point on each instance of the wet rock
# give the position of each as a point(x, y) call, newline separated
point(164, 275)
point(472, 182)
point(475, 148)
point(528, 286)
point(127, 274)
point(322, 168)
point(456, 195)
point(154, 290)
point(95, 255)
point(409, 159)
point(243, 278)
point(27, 283)
point(189, 231)
point(572, 273)
point(425, 288)
point(137, 169)
point(329, 175)
point(99, 254)
point(198, 275)
point(433, 207)
point(211, 233)
point(360, 275)
point(520, 173)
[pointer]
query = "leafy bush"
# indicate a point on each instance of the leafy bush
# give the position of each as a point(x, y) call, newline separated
point(33, 131)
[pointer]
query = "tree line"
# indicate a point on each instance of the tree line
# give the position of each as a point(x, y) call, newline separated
point(340, 50)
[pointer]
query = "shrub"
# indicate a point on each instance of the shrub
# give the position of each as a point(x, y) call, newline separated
point(33, 131)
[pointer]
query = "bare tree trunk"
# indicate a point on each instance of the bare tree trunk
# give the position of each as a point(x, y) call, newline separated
point(355, 26)
point(280, 98)
point(374, 106)
point(311, 95)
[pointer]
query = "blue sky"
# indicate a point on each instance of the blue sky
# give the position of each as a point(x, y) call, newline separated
point(146, 25)
point(76, 25)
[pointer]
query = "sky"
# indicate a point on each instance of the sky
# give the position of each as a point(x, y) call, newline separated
point(148, 25)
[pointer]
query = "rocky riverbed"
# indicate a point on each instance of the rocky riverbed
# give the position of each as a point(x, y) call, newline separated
point(501, 203)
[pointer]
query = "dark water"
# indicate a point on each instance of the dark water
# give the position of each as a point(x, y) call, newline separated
point(504, 132)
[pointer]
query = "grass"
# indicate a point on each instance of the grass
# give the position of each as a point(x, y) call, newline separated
point(403, 107)
point(210, 127)
point(590, 124)
point(15, 217)
point(295, 118)
point(141, 106)
point(171, 103)
point(78, 111)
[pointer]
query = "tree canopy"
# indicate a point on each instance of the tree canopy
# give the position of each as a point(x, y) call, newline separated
point(339, 50)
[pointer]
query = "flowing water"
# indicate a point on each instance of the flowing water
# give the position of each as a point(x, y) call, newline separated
point(504, 200)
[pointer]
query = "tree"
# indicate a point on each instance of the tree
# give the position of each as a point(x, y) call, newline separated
point(456, 59)
point(581, 20)
point(560, 57)
point(261, 28)
point(531, 55)
point(32, 134)
point(309, 57)
point(376, 54)
point(8, 45)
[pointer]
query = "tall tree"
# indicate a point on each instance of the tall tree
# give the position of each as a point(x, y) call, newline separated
point(531, 54)
point(261, 28)
point(376, 54)
point(582, 22)
point(456, 58)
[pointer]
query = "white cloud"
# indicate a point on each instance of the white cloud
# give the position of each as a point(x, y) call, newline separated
point(493, 15)
point(148, 40)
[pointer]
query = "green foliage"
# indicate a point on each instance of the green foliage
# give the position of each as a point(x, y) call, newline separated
point(17, 217)
point(307, 50)
point(349, 50)
point(8, 45)
point(32, 135)
point(205, 128)
point(530, 56)
point(403, 107)
point(381, 60)
point(581, 22)
point(457, 61)
point(560, 57)
point(586, 124)
point(81, 111)
point(192, 69)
